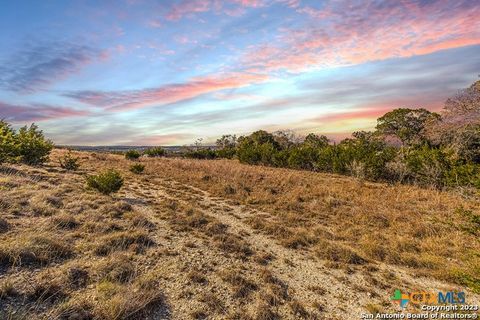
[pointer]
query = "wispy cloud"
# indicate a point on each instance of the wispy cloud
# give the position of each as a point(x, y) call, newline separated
point(346, 33)
point(38, 67)
point(187, 7)
point(36, 112)
point(134, 99)
point(250, 3)
point(216, 66)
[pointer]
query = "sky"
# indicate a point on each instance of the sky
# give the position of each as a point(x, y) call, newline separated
point(140, 72)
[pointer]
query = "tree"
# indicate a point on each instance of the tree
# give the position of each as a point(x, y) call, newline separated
point(464, 107)
point(8, 143)
point(227, 141)
point(365, 151)
point(315, 141)
point(263, 137)
point(459, 127)
point(286, 138)
point(405, 124)
point(33, 148)
point(259, 147)
point(226, 146)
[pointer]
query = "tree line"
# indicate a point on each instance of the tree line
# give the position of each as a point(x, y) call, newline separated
point(407, 146)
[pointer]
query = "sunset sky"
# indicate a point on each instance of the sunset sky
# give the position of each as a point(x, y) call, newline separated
point(140, 72)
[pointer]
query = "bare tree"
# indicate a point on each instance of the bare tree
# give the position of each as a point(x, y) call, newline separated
point(459, 127)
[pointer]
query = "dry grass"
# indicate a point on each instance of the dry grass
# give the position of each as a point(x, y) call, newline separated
point(433, 231)
point(67, 252)
point(241, 286)
point(35, 250)
point(135, 241)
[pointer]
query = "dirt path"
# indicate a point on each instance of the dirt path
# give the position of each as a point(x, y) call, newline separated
point(338, 293)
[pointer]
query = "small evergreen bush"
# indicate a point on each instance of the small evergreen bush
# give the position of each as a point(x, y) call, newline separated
point(201, 154)
point(106, 182)
point(132, 155)
point(8, 143)
point(155, 152)
point(137, 168)
point(33, 148)
point(69, 162)
point(227, 153)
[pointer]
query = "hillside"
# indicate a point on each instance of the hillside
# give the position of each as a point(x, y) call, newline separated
point(197, 239)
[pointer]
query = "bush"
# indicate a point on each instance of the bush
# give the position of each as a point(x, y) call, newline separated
point(467, 175)
point(367, 151)
point(427, 166)
point(226, 146)
point(329, 160)
point(260, 148)
point(106, 182)
point(33, 148)
point(227, 153)
point(8, 143)
point(201, 154)
point(132, 155)
point(137, 168)
point(155, 152)
point(69, 162)
point(302, 158)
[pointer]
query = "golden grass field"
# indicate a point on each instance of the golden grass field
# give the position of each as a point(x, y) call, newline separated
point(215, 239)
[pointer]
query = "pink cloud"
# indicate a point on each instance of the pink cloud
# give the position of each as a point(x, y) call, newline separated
point(182, 39)
point(164, 139)
point(314, 13)
point(250, 3)
point(187, 7)
point(371, 113)
point(124, 100)
point(36, 112)
point(344, 34)
point(232, 7)
point(155, 24)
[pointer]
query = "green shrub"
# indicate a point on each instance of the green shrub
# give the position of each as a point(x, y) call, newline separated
point(106, 182)
point(364, 150)
point(155, 152)
point(8, 143)
point(201, 154)
point(329, 160)
point(467, 175)
point(303, 157)
point(427, 166)
point(260, 148)
point(226, 146)
point(249, 154)
point(132, 155)
point(315, 141)
point(33, 148)
point(137, 168)
point(69, 162)
point(228, 153)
